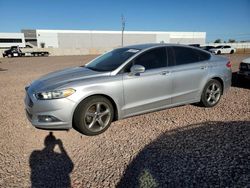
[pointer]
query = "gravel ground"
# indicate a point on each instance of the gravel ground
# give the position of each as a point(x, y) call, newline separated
point(187, 146)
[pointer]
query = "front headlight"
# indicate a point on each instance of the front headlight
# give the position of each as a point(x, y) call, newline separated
point(57, 94)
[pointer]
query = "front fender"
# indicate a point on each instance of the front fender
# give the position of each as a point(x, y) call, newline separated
point(111, 87)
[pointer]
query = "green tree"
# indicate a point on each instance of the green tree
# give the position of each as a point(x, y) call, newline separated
point(217, 41)
point(231, 40)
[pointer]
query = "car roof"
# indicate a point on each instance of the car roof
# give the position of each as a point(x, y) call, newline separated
point(150, 45)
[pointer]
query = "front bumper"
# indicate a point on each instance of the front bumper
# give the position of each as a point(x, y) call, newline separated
point(61, 109)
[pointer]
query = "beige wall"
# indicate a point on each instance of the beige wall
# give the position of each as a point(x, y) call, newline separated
point(88, 51)
point(76, 51)
point(238, 45)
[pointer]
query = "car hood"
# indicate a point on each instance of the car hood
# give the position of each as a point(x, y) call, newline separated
point(59, 78)
point(6, 51)
point(247, 60)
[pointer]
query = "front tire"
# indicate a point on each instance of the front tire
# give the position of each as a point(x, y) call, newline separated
point(93, 115)
point(219, 52)
point(232, 51)
point(211, 94)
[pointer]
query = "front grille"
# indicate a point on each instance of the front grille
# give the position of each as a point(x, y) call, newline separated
point(244, 66)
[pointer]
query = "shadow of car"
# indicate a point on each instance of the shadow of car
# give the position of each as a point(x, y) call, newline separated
point(209, 154)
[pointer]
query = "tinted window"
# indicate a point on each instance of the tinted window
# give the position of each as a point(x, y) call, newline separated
point(171, 58)
point(184, 55)
point(9, 40)
point(227, 47)
point(203, 56)
point(155, 58)
point(112, 60)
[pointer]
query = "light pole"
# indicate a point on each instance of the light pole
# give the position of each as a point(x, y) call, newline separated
point(123, 26)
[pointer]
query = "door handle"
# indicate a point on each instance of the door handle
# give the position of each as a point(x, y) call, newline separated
point(165, 72)
point(203, 67)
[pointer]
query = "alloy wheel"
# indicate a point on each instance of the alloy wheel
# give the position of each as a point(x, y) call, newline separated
point(213, 93)
point(97, 116)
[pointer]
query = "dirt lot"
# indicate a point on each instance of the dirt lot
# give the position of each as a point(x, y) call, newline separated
point(185, 146)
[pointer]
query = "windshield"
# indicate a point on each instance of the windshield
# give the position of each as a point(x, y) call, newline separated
point(112, 60)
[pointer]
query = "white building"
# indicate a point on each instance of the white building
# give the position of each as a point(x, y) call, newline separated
point(11, 39)
point(108, 39)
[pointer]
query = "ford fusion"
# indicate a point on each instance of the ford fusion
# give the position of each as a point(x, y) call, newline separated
point(125, 82)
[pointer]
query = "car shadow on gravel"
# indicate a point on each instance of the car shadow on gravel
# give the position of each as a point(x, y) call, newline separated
point(240, 82)
point(50, 168)
point(201, 155)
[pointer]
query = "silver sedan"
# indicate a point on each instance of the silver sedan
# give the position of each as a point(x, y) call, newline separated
point(125, 82)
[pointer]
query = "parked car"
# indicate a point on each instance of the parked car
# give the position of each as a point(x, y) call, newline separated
point(244, 69)
point(223, 50)
point(15, 51)
point(207, 48)
point(125, 82)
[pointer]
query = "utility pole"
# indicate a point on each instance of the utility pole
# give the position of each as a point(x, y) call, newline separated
point(123, 26)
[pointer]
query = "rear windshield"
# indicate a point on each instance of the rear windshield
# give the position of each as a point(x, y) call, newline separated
point(112, 60)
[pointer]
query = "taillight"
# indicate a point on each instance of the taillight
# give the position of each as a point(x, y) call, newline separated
point(229, 65)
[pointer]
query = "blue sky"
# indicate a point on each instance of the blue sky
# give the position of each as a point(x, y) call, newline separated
point(219, 18)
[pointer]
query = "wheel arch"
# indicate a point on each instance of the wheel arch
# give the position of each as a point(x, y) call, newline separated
point(114, 105)
point(219, 80)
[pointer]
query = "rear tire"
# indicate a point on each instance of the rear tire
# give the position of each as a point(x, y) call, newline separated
point(93, 115)
point(219, 52)
point(211, 93)
point(232, 51)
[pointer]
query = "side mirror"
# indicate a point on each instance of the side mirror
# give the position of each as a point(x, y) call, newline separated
point(137, 69)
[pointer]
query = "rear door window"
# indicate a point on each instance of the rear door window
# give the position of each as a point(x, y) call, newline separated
point(178, 55)
point(184, 55)
point(171, 57)
point(203, 56)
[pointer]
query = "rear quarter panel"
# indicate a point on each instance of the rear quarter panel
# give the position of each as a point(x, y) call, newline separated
point(217, 68)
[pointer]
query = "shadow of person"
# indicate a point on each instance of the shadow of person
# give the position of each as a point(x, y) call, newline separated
point(209, 154)
point(3, 69)
point(50, 168)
